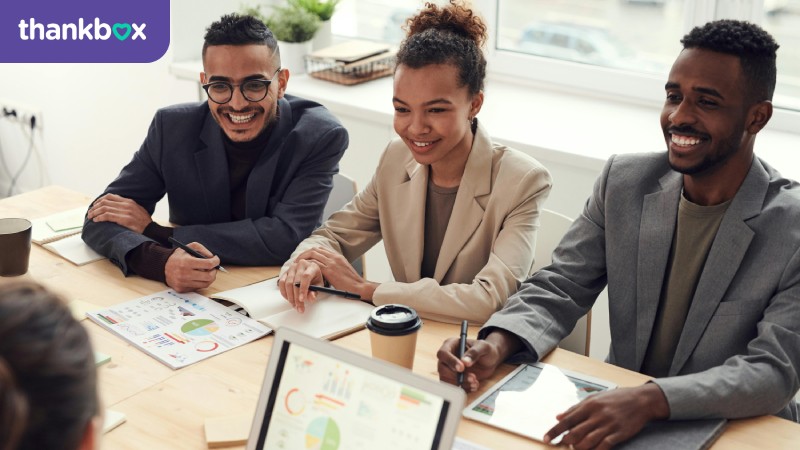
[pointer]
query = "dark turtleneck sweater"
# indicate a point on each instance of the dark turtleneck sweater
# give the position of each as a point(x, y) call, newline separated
point(149, 259)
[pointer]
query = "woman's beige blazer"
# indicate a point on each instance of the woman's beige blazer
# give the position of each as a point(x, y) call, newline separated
point(487, 250)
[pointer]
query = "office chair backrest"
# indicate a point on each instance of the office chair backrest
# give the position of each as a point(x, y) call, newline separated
point(344, 188)
point(552, 228)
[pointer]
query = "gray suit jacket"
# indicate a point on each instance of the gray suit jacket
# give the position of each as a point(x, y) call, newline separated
point(183, 157)
point(739, 351)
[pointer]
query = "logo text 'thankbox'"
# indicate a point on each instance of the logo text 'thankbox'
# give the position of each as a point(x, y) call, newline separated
point(97, 30)
point(84, 31)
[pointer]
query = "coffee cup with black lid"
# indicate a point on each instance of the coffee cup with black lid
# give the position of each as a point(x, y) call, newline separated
point(393, 333)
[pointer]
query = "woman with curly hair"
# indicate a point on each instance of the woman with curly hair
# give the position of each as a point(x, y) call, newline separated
point(458, 213)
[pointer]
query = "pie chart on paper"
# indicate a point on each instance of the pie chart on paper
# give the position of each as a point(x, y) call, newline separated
point(200, 327)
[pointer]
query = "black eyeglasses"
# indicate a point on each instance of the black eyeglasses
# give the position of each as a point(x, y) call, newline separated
point(221, 92)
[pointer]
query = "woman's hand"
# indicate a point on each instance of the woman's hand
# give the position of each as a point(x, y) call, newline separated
point(303, 271)
point(339, 272)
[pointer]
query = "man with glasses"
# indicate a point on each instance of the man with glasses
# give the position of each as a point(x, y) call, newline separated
point(247, 173)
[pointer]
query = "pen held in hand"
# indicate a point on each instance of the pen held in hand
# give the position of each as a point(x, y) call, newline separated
point(462, 347)
point(193, 252)
point(327, 290)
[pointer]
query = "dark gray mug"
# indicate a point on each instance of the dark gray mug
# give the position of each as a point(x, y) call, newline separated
point(15, 246)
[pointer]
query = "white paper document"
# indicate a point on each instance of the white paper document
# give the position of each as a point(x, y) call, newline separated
point(179, 329)
point(463, 444)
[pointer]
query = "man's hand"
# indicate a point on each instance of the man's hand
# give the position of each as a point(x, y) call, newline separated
point(606, 419)
point(480, 359)
point(186, 273)
point(306, 273)
point(120, 210)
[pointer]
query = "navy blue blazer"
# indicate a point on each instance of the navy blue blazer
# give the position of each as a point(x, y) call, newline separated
point(184, 157)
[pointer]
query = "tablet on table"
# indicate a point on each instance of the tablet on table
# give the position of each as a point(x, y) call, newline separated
point(532, 395)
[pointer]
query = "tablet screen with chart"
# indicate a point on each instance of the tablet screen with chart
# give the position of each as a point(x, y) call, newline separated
point(324, 403)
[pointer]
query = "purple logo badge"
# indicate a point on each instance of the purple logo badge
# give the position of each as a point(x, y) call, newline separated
point(84, 31)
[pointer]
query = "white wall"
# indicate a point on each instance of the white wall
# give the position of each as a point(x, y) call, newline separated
point(94, 116)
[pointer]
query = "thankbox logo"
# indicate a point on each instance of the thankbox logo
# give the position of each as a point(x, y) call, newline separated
point(32, 30)
point(84, 31)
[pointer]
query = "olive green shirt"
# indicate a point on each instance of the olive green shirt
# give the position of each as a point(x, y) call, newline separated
point(439, 203)
point(694, 233)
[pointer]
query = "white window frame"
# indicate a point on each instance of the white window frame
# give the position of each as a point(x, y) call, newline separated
point(619, 85)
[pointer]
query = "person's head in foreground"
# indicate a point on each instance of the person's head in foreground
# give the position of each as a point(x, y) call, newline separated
point(242, 76)
point(438, 87)
point(48, 380)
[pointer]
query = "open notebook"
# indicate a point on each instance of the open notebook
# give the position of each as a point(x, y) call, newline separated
point(320, 395)
point(60, 234)
point(74, 250)
point(58, 226)
point(329, 317)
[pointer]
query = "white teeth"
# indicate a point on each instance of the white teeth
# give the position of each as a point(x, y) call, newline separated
point(241, 119)
point(422, 144)
point(684, 141)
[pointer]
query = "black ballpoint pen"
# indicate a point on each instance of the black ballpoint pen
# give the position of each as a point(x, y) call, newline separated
point(462, 347)
point(328, 290)
point(193, 252)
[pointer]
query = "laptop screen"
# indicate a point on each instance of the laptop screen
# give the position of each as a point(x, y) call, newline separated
point(320, 402)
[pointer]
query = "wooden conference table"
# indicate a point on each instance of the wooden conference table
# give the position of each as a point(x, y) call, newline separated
point(166, 408)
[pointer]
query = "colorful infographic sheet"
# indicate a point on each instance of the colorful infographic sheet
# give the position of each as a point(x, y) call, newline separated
point(179, 329)
point(324, 404)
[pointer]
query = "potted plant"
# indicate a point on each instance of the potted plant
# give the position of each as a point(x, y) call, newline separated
point(293, 28)
point(324, 10)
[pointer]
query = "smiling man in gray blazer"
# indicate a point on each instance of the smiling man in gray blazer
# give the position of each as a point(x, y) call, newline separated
point(247, 173)
point(699, 248)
